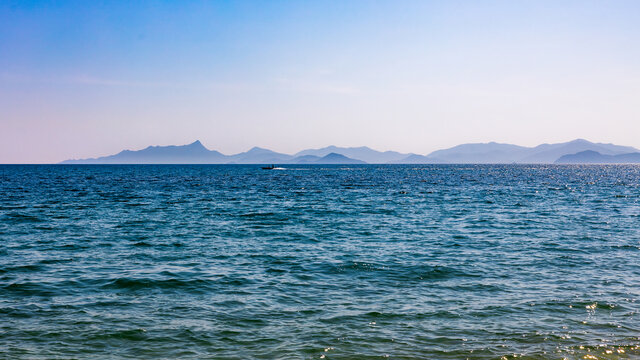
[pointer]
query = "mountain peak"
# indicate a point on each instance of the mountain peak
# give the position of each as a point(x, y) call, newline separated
point(257, 149)
point(196, 145)
point(334, 155)
point(580, 141)
point(362, 153)
point(335, 158)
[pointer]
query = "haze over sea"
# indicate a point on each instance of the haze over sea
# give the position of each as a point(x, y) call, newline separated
point(310, 262)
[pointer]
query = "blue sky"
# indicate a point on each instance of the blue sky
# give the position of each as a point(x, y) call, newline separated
point(89, 78)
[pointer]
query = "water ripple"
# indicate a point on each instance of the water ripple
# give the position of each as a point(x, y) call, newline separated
point(320, 262)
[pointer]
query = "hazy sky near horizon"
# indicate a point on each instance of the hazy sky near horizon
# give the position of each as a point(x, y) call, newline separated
point(89, 78)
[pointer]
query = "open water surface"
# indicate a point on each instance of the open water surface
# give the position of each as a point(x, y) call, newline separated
point(311, 262)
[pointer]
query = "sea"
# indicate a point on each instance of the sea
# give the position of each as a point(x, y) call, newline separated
point(319, 262)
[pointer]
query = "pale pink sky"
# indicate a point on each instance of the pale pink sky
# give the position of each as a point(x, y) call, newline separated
point(88, 80)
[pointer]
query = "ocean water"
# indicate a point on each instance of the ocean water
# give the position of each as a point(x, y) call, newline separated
point(320, 262)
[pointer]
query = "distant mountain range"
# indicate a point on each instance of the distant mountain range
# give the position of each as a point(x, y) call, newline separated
point(196, 153)
point(576, 151)
point(493, 153)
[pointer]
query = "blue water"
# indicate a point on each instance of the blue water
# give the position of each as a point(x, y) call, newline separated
point(311, 262)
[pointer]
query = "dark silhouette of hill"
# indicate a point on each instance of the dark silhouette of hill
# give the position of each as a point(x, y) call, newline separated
point(594, 157)
point(479, 153)
point(260, 156)
point(194, 153)
point(305, 159)
point(416, 159)
point(362, 153)
point(335, 158)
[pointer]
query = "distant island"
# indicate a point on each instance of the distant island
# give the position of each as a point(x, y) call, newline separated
point(573, 152)
point(594, 157)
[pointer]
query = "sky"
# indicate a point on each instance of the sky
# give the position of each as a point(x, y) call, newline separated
point(89, 78)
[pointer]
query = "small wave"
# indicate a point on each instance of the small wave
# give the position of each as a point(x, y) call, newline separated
point(379, 316)
point(142, 284)
point(399, 272)
point(19, 218)
point(41, 289)
point(132, 335)
point(131, 204)
point(21, 269)
point(55, 261)
point(71, 247)
point(258, 215)
point(142, 244)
